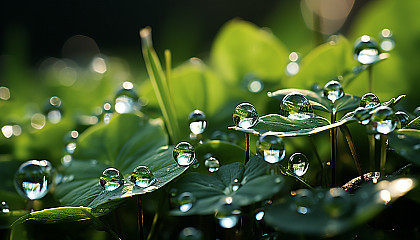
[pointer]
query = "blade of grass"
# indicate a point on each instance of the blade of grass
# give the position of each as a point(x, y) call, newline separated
point(160, 84)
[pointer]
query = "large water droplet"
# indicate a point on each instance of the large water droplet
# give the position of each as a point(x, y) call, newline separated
point(366, 50)
point(402, 119)
point(383, 120)
point(333, 91)
point(185, 201)
point(126, 99)
point(337, 202)
point(369, 100)
point(111, 179)
point(296, 106)
point(245, 116)
point(228, 214)
point(4, 208)
point(298, 163)
point(33, 179)
point(271, 147)
point(387, 42)
point(197, 120)
point(190, 233)
point(362, 114)
point(142, 177)
point(53, 110)
point(212, 164)
point(184, 154)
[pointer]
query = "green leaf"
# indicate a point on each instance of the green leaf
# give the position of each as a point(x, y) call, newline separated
point(241, 48)
point(326, 219)
point(319, 102)
point(286, 127)
point(126, 142)
point(406, 142)
point(211, 191)
point(414, 124)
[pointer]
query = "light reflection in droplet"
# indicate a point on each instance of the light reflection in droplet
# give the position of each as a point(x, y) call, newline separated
point(229, 200)
point(259, 216)
point(385, 195)
point(128, 85)
point(4, 93)
point(99, 65)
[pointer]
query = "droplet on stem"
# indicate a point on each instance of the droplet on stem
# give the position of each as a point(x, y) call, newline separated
point(271, 147)
point(298, 163)
point(184, 154)
point(296, 106)
point(111, 179)
point(33, 179)
point(197, 120)
point(245, 116)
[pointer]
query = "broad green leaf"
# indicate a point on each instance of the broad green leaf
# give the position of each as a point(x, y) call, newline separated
point(414, 124)
point(406, 142)
point(319, 102)
point(321, 218)
point(242, 48)
point(211, 191)
point(286, 127)
point(126, 142)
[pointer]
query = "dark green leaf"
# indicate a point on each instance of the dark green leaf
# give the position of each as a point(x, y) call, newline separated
point(414, 124)
point(406, 142)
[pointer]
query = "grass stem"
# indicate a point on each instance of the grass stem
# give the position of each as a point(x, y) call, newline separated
point(384, 140)
point(247, 147)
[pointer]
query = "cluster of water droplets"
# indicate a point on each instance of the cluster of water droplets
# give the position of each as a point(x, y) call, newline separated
point(271, 147)
point(296, 106)
point(142, 177)
point(366, 50)
point(197, 121)
point(333, 91)
point(34, 178)
point(126, 99)
point(245, 116)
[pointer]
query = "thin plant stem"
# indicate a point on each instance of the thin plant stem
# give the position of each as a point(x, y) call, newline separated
point(346, 132)
point(370, 77)
point(247, 147)
point(168, 70)
point(140, 217)
point(153, 228)
point(384, 139)
point(371, 140)
point(333, 139)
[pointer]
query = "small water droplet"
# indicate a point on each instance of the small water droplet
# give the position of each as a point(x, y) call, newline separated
point(212, 164)
point(252, 83)
point(402, 119)
point(387, 41)
point(337, 202)
point(126, 99)
point(298, 163)
point(304, 201)
point(184, 154)
point(33, 179)
point(383, 120)
point(4, 208)
point(333, 91)
point(70, 140)
point(105, 113)
point(369, 100)
point(197, 120)
point(111, 179)
point(142, 177)
point(190, 233)
point(366, 50)
point(296, 106)
point(185, 201)
point(245, 116)
point(235, 185)
point(362, 114)
point(271, 147)
point(260, 215)
point(53, 110)
point(228, 215)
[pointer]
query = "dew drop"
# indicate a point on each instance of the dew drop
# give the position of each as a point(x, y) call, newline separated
point(126, 99)
point(383, 120)
point(296, 106)
point(402, 119)
point(333, 91)
point(212, 164)
point(298, 163)
point(142, 177)
point(33, 179)
point(252, 83)
point(197, 120)
point(304, 200)
point(369, 100)
point(260, 215)
point(4, 207)
point(387, 41)
point(190, 233)
point(185, 201)
point(271, 147)
point(53, 110)
point(337, 202)
point(235, 185)
point(111, 179)
point(70, 140)
point(245, 116)
point(366, 50)
point(362, 114)
point(184, 154)
point(105, 113)
point(228, 215)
